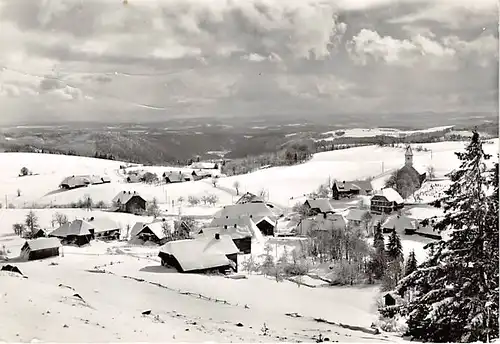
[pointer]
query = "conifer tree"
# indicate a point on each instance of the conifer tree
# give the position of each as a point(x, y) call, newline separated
point(394, 247)
point(456, 289)
point(411, 263)
point(378, 239)
point(378, 262)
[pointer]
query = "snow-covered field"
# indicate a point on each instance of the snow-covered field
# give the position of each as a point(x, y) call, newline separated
point(183, 307)
point(364, 132)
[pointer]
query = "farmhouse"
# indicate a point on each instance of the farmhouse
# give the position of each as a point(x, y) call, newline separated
point(203, 254)
point(133, 178)
point(153, 232)
point(129, 202)
point(401, 223)
point(386, 201)
point(74, 182)
point(78, 232)
point(40, 233)
point(40, 248)
point(201, 174)
point(249, 197)
point(204, 166)
point(350, 189)
point(358, 217)
point(242, 230)
point(175, 177)
point(104, 228)
point(318, 206)
point(241, 236)
point(261, 214)
point(321, 223)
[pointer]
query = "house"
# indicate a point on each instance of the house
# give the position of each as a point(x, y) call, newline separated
point(129, 202)
point(74, 182)
point(348, 189)
point(321, 223)
point(203, 254)
point(104, 228)
point(241, 229)
point(133, 178)
point(261, 214)
point(40, 233)
point(249, 197)
point(201, 174)
point(319, 206)
point(358, 217)
point(386, 201)
point(175, 177)
point(40, 248)
point(402, 224)
point(78, 232)
point(241, 236)
point(204, 166)
point(153, 232)
point(389, 300)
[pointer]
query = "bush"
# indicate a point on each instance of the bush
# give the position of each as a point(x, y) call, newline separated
point(101, 205)
point(193, 200)
point(24, 171)
point(393, 324)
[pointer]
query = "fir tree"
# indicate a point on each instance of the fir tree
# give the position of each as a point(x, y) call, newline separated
point(456, 289)
point(394, 247)
point(411, 263)
point(378, 239)
point(378, 261)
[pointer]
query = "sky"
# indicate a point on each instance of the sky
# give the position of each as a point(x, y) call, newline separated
point(142, 60)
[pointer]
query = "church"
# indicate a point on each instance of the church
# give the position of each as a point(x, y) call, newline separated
point(408, 172)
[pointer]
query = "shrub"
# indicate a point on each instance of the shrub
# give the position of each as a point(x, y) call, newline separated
point(193, 200)
point(24, 171)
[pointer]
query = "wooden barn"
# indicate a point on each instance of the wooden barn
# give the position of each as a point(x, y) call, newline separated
point(74, 182)
point(201, 255)
point(78, 232)
point(175, 177)
point(40, 248)
point(318, 206)
point(386, 201)
point(129, 202)
point(153, 232)
point(104, 228)
point(349, 189)
point(201, 174)
point(400, 223)
point(261, 214)
point(241, 236)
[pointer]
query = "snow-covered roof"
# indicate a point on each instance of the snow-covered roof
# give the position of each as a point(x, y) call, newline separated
point(77, 227)
point(103, 224)
point(257, 211)
point(124, 196)
point(136, 228)
point(391, 195)
point(323, 204)
point(320, 223)
point(202, 252)
point(204, 165)
point(42, 244)
point(400, 222)
point(74, 181)
point(249, 198)
point(156, 228)
point(356, 214)
point(233, 232)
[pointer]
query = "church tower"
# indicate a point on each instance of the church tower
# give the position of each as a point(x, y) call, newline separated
point(408, 156)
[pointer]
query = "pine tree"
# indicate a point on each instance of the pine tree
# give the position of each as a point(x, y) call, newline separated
point(411, 263)
point(378, 239)
point(378, 261)
point(394, 247)
point(456, 289)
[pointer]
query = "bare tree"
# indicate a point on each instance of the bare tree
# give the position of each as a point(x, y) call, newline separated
point(431, 172)
point(236, 185)
point(180, 199)
point(59, 218)
point(18, 228)
point(153, 208)
point(193, 200)
point(31, 222)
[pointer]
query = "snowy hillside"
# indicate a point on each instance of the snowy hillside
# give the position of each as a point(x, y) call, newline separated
point(364, 132)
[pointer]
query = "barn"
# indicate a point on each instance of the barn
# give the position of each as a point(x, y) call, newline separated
point(386, 201)
point(153, 232)
point(104, 228)
point(74, 182)
point(129, 202)
point(241, 236)
point(40, 248)
point(173, 177)
point(319, 206)
point(249, 197)
point(78, 232)
point(200, 255)
point(401, 223)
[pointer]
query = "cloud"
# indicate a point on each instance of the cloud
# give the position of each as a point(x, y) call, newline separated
point(195, 57)
point(448, 52)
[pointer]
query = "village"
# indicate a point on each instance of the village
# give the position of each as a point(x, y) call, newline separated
point(320, 239)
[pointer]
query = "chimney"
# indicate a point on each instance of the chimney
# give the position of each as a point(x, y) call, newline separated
point(227, 217)
point(217, 236)
point(250, 215)
point(225, 226)
point(235, 225)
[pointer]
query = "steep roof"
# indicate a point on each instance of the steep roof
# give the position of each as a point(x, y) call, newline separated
point(77, 227)
point(136, 228)
point(408, 150)
point(249, 198)
point(124, 196)
point(323, 204)
point(257, 211)
point(320, 223)
point(202, 252)
point(156, 228)
point(233, 232)
point(103, 224)
point(42, 244)
point(356, 214)
point(400, 222)
point(391, 195)
point(175, 177)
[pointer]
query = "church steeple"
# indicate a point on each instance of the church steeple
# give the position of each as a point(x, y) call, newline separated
point(408, 156)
